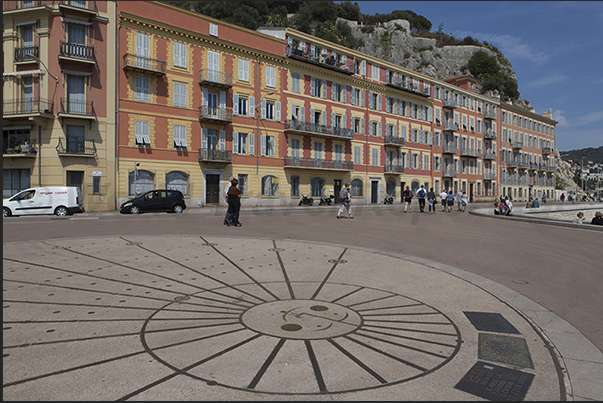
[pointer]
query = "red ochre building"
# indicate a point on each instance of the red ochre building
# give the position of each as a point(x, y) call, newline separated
point(191, 101)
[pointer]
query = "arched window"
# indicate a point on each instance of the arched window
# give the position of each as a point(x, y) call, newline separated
point(177, 181)
point(356, 187)
point(269, 185)
point(317, 186)
point(390, 188)
point(414, 186)
point(142, 183)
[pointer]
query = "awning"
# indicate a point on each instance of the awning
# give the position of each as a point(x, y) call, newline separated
point(71, 21)
point(13, 128)
point(23, 73)
point(76, 73)
point(26, 23)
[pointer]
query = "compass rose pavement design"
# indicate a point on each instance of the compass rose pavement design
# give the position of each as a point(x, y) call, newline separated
point(232, 318)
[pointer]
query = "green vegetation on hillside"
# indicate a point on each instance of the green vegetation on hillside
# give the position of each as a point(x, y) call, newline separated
point(486, 68)
point(589, 154)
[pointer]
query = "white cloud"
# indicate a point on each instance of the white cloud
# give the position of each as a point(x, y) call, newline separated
point(589, 118)
point(510, 46)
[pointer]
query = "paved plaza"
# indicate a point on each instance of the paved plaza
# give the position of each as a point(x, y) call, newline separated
point(242, 314)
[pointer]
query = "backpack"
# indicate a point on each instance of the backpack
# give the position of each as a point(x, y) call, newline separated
point(421, 193)
point(343, 194)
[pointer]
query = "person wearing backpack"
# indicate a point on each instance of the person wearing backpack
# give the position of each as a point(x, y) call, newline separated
point(407, 194)
point(421, 195)
point(345, 200)
point(450, 201)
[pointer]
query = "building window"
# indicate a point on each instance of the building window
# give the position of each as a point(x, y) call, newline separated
point(141, 133)
point(295, 83)
point(76, 94)
point(177, 181)
point(357, 155)
point(268, 109)
point(180, 95)
point(96, 185)
point(356, 188)
point(75, 139)
point(317, 187)
point(375, 157)
point(375, 72)
point(213, 29)
point(268, 143)
point(243, 184)
point(142, 88)
point(243, 70)
point(239, 143)
point(14, 181)
point(180, 136)
point(140, 183)
point(269, 185)
point(143, 50)
point(180, 51)
point(295, 186)
point(270, 76)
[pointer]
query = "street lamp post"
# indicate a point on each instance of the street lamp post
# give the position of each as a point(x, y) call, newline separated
point(136, 164)
point(257, 143)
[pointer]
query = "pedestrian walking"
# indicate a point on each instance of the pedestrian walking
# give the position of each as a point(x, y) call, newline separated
point(464, 201)
point(449, 201)
point(234, 203)
point(431, 200)
point(421, 195)
point(228, 185)
point(459, 195)
point(443, 196)
point(345, 201)
point(407, 194)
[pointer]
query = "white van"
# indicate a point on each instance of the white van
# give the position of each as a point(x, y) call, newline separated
point(59, 200)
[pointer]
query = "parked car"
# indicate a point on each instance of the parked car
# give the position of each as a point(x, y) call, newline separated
point(171, 201)
point(58, 200)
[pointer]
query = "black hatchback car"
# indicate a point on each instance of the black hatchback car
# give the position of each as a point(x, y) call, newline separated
point(171, 201)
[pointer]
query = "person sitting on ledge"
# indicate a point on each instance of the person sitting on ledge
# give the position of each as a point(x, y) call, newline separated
point(597, 219)
point(579, 218)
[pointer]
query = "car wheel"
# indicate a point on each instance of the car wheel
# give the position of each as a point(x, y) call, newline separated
point(135, 210)
point(177, 209)
point(6, 212)
point(61, 211)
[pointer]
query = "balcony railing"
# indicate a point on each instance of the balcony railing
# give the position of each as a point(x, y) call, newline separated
point(489, 134)
point(209, 155)
point(396, 169)
point(209, 113)
point(22, 54)
point(390, 139)
point(449, 148)
point(134, 62)
point(489, 176)
point(80, 6)
point(490, 115)
point(449, 103)
point(296, 125)
point(512, 164)
point(318, 163)
point(412, 88)
point(20, 149)
point(547, 150)
point(76, 146)
point(489, 155)
point(533, 166)
point(449, 173)
point(76, 51)
point(470, 152)
point(328, 62)
point(20, 5)
point(29, 106)
point(517, 144)
point(77, 108)
point(451, 126)
point(216, 78)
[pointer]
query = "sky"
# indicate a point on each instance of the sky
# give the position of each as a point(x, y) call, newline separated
point(555, 49)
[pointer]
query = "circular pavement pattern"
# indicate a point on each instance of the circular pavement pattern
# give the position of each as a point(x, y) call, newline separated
point(179, 317)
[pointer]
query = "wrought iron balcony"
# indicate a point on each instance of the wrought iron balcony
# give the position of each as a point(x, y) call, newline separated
point(393, 169)
point(449, 173)
point(449, 103)
point(76, 51)
point(489, 134)
point(517, 144)
point(391, 139)
point(212, 114)
point(20, 149)
point(139, 63)
point(26, 107)
point(489, 155)
point(451, 127)
point(470, 152)
point(490, 115)
point(412, 88)
point(547, 150)
point(215, 78)
point(20, 5)
point(87, 8)
point(76, 147)
point(512, 164)
point(327, 62)
point(316, 163)
point(313, 128)
point(22, 54)
point(83, 109)
point(209, 155)
point(489, 176)
point(449, 148)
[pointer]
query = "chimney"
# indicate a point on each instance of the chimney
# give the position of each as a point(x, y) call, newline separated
point(548, 114)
